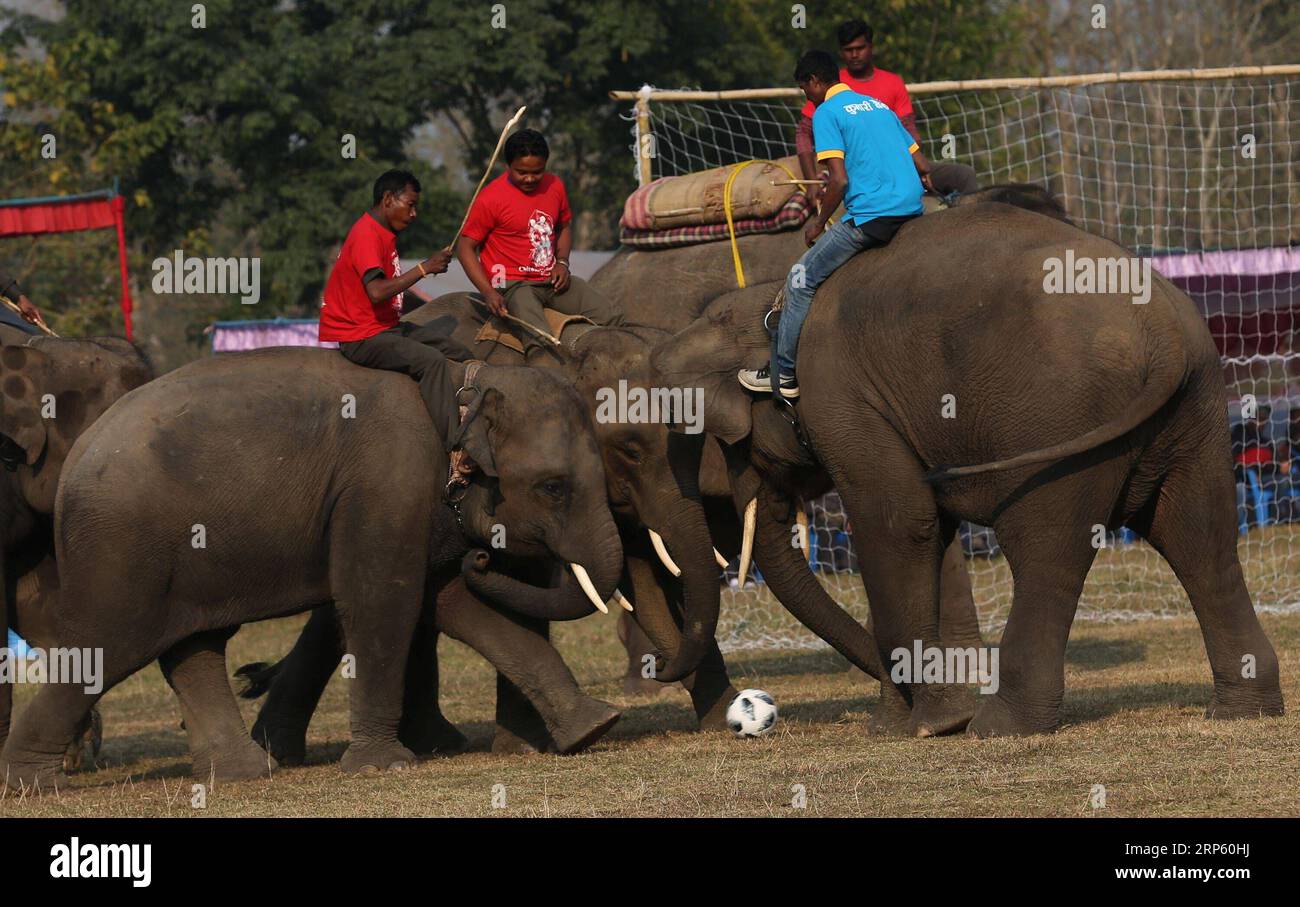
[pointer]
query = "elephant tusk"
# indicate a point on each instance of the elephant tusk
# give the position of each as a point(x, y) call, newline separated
point(585, 582)
point(621, 601)
point(801, 518)
point(658, 542)
point(722, 561)
point(747, 540)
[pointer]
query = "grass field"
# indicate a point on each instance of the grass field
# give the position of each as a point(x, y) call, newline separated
point(1135, 692)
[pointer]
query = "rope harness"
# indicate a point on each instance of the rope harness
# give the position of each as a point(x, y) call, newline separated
point(467, 395)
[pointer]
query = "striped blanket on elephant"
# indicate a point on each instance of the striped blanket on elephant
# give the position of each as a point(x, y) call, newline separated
point(789, 216)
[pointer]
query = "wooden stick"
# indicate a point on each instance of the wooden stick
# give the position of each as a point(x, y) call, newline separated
point(519, 115)
point(1141, 75)
point(531, 328)
point(798, 182)
point(40, 322)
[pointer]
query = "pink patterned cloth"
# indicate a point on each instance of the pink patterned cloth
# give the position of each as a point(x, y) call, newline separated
point(235, 336)
point(1237, 263)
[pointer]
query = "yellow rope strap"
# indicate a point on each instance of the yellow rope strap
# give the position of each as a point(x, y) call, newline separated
point(731, 226)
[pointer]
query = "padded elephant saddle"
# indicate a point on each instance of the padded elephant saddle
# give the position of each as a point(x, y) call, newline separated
point(494, 330)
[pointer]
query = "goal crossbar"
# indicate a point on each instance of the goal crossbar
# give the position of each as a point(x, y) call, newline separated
point(1094, 78)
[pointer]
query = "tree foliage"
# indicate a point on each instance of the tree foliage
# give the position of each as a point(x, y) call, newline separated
point(227, 139)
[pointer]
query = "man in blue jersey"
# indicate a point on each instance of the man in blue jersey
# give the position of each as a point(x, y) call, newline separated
point(876, 169)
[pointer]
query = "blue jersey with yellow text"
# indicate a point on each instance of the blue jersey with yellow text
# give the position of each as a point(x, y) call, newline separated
point(877, 154)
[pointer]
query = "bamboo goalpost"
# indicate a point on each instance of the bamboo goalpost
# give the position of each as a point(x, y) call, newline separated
point(645, 95)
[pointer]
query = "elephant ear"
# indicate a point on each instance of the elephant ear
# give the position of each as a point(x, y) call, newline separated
point(694, 367)
point(21, 368)
point(475, 435)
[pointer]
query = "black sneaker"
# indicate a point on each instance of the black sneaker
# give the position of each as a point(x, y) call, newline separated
point(760, 380)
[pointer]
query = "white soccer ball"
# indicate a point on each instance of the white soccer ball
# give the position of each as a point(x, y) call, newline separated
point(751, 714)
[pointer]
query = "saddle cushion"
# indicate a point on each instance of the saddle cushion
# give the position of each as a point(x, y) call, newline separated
point(494, 330)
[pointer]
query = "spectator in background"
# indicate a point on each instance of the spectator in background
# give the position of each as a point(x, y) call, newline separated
point(9, 288)
point(1255, 448)
point(862, 76)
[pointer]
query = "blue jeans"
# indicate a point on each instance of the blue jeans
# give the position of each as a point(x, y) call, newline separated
point(841, 241)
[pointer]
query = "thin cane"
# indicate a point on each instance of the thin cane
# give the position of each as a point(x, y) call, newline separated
point(514, 120)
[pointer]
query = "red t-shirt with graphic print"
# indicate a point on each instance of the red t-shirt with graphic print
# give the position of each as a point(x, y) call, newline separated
point(517, 230)
point(346, 312)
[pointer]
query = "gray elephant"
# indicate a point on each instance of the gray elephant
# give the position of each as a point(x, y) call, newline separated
point(263, 484)
point(692, 277)
point(1072, 412)
point(649, 492)
point(53, 389)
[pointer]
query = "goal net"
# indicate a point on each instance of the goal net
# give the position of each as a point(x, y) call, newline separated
point(1195, 170)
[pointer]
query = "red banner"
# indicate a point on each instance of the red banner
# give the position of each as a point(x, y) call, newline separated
point(58, 216)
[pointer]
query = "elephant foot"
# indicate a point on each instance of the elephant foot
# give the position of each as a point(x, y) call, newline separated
point(892, 716)
point(88, 742)
point(583, 726)
point(287, 744)
point(636, 685)
point(1230, 705)
point(995, 718)
point(942, 711)
point(434, 736)
point(508, 743)
point(32, 777)
point(712, 715)
point(370, 758)
point(239, 763)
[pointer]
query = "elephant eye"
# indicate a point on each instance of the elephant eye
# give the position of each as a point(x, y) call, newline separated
point(554, 488)
point(631, 452)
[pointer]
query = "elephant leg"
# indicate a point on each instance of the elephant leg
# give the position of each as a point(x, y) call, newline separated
point(959, 623)
point(1194, 528)
point(533, 680)
point(1047, 536)
point(636, 644)
point(379, 614)
point(889, 494)
point(710, 688)
point(6, 689)
point(424, 729)
point(300, 679)
point(33, 754)
point(219, 742)
point(521, 729)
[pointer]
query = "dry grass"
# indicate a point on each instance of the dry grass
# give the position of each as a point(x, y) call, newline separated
point(1132, 711)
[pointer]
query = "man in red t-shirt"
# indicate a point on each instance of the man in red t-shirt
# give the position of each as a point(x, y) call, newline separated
point(363, 303)
point(862, 77)
point(515, 246)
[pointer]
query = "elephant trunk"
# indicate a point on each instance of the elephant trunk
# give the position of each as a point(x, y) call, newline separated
point(789, 578)
point(566, 601)
point(687, 536)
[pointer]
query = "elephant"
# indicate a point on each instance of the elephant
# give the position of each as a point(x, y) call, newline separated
point(647, 491)
point(700, 274)
point(1072, 412)
point(263, 484)
point(53, 389)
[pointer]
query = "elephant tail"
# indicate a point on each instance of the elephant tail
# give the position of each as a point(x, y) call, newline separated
point(256, 678)
point(1166, 377)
